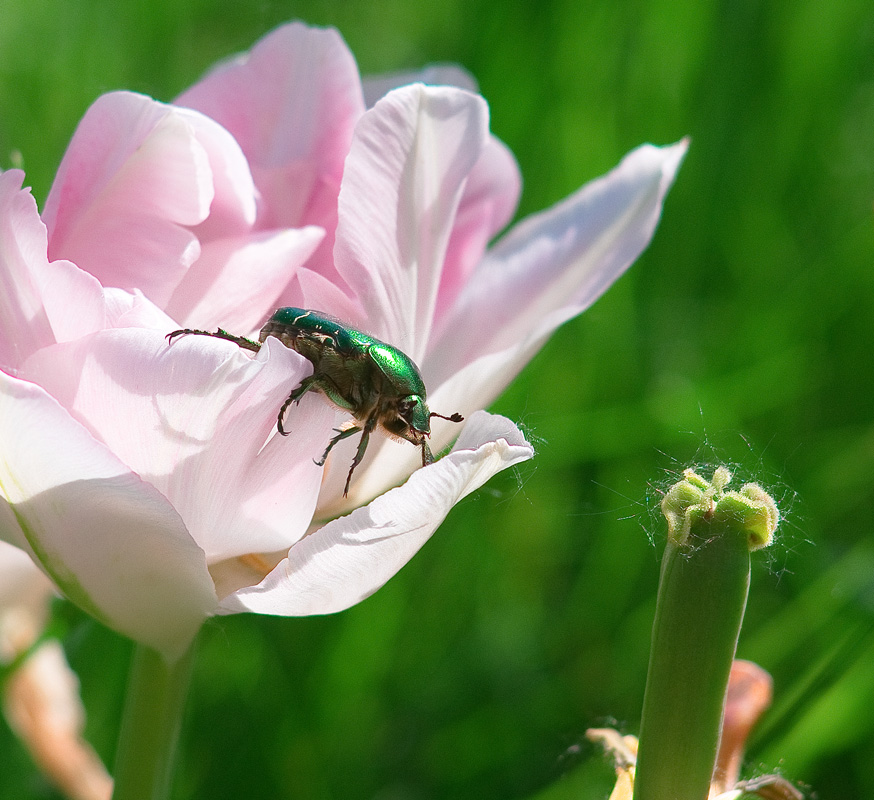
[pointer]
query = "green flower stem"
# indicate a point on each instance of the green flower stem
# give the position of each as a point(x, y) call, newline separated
point(157, 691)
point(702, 595)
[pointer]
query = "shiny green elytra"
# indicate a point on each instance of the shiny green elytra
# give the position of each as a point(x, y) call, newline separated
point(376, 383)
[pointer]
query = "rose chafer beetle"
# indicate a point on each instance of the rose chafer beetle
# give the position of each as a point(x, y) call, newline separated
point(376, 383)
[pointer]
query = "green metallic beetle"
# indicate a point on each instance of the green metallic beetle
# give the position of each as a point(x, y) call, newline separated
point(376, 383)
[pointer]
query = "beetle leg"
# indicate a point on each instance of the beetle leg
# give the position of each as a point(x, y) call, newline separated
point(359, 453)
point(312, 382)
point(345, 433)
point(240, 341)
point(305, 385)
point(281, 415)
point(321, 383)
point(427, 455)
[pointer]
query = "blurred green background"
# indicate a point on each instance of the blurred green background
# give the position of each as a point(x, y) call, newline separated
point(743, 335)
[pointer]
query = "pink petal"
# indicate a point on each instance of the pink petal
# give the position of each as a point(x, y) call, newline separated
point(40, 302)
point(110, 541)
point(134, 310)
point(197, 420)
point(549, 268)
point(233, 207)
point(404, 178)
point(295, 97)
point(353, 556)
point(292, 103)
point(491, 195)
point(286, 186)
point(311, 289)
point(136, 177)
point(235, 283)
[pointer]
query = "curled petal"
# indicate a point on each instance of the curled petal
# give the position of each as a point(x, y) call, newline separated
point(42, 705)
point(353, 556)
point(111, 542)
point(750, 693)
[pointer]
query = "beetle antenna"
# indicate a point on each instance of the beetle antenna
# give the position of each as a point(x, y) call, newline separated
point(456, 417)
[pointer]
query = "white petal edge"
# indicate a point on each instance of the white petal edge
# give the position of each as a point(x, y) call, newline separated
point(378, 86)
point(351, 557)
point(111, 542)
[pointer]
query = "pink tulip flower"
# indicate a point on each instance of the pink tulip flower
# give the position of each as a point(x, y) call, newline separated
point(146, 479)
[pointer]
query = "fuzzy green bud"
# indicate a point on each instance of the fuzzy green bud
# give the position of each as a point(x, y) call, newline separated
point(693, 499)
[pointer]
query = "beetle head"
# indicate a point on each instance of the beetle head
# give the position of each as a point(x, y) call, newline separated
point(413, 420)
point(413, 411)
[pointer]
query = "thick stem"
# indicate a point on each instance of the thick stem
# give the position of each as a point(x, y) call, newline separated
point(702, 595)
point(157, 691)
point(701, 601)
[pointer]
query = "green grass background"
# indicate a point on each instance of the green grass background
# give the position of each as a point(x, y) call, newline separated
point(744, 334)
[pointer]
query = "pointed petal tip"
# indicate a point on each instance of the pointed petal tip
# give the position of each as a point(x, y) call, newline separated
point(664, 158)
point(674, 156)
